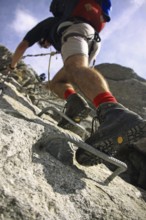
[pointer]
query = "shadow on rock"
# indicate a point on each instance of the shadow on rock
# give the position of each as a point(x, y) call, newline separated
point(136, 172)
point(57, 159)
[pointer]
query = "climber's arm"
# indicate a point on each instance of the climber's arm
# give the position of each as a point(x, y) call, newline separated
point(19, 53)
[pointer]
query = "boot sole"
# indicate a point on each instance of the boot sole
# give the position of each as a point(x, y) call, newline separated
point(135, 136)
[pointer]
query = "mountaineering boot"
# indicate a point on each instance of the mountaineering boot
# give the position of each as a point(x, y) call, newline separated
point(76, 109)
point(119, 128)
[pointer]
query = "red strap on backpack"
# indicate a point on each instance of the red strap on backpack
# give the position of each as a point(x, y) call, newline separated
point(91, 12)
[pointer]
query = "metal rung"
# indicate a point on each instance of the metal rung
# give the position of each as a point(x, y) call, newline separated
point(121, 166)
point(62, 115)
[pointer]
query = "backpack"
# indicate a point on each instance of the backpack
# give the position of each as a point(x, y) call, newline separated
point(64, 8)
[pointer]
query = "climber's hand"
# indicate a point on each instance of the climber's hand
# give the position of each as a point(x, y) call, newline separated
point(10, 68)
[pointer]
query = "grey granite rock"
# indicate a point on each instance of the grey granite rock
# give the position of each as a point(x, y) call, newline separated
point(36, 184)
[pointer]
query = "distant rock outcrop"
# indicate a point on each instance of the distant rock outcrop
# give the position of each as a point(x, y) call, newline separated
point(34, 185)
point(127, 86)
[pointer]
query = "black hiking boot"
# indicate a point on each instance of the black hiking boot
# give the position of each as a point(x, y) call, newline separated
point(119, 128)
point(76, 109)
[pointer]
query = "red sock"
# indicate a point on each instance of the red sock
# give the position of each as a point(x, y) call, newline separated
point(104, 97)
point(68, 92)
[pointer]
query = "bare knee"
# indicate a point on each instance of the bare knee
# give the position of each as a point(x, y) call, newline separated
point(60, 77)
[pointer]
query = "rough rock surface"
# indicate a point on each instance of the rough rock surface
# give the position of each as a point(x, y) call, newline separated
point(33, 183)
point(126, 85)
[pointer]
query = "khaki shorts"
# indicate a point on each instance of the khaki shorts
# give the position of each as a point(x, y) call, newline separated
point(77, 44)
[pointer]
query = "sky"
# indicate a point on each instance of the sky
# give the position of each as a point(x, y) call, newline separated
point(123, 39)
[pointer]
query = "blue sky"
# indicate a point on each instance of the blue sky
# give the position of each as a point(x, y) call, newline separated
point(123, 39)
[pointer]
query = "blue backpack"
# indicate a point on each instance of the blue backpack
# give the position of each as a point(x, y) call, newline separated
point(64, 8)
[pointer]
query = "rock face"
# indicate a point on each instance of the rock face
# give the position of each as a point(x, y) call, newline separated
point(127, 86)
point(36, 185)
